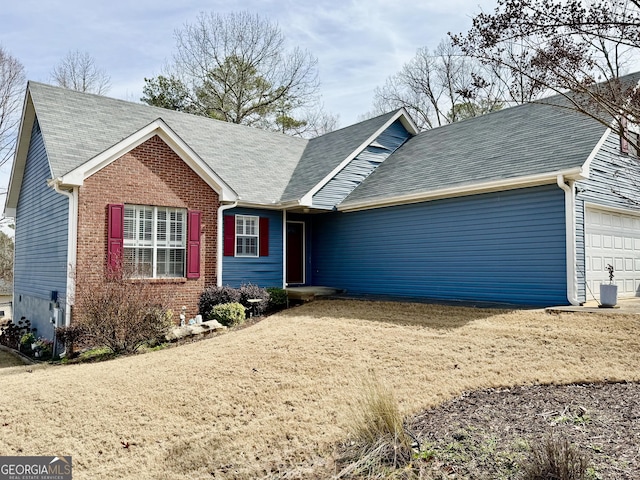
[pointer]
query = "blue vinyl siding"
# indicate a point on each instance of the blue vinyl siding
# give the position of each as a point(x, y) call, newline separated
point(353, 174)
point(261, 271)
point(613, 178)
point(40, 264)
point(500, 247)
point(613, 182)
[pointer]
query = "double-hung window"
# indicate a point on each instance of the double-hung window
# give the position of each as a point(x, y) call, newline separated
point(247, 235)
point(155, 241)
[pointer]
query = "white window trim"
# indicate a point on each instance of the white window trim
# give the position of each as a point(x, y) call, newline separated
point(154, 246)
point(256, 220)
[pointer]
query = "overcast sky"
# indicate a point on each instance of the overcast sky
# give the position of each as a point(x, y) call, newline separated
point(358, 43)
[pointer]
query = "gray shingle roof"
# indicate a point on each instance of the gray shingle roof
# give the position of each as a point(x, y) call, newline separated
point(76, 126)
point(524, 140)
point(266, 167)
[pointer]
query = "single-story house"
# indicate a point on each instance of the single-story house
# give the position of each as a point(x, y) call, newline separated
point(526, 205)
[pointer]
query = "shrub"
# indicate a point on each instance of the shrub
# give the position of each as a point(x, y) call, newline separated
point(249, 291)
point(26, 340)
point(121, 314)
point(554, 458)
point(213, 296)
point(277, 298)
point(228, 314)
point(69, 336)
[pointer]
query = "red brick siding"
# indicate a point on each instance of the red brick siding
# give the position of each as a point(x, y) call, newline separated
point(150, 174)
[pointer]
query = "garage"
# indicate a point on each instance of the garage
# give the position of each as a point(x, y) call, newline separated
point(612, 237)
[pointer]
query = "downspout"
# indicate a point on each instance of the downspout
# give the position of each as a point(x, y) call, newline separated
point(220, 249)
point(72, 242)
point(284, 249)
point(570, 226)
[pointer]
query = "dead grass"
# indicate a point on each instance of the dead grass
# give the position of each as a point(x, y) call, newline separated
point(254, 402)
point(9, 360)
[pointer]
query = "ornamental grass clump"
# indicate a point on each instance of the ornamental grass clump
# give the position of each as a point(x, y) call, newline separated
point(379, 441)
point(554, 458)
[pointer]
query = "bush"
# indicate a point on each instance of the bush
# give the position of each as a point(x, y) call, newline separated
point(69, 336)
point(213, 296)
point(556, 459)
point(277, 298)
point(228, 314)
point(121, 314)
point(249, 291)
point(26, 340)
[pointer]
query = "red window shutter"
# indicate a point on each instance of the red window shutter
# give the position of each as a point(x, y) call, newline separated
point(193, 243)
point(624, 143)
point(264, 236)
point(229, 235)
point(115, 235)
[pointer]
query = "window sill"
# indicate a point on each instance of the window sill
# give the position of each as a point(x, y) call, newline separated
point(170, 280)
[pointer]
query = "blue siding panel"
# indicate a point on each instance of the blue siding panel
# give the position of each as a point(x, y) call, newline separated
point(40, 264)
point(261, 271)
point(580, 252)
point(613, 182)
point(358, 169)
point(613, 178)
point(500, 247)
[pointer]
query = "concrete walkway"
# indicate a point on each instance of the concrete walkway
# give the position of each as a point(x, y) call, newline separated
point(625, 306)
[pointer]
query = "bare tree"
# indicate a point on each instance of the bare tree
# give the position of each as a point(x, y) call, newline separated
point(440, 87)
point(12, 84)
point(78, 71)
point(6, 258)
point(580, 49)
point(235, 68)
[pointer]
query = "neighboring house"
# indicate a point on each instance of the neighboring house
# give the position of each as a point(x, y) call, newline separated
point(6, 297)
point(526, 205)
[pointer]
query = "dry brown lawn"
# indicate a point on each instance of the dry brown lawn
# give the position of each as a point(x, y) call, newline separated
point(8, 359)
point(258, 400)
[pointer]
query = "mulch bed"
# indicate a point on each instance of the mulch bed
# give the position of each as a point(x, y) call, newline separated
point(487, 433)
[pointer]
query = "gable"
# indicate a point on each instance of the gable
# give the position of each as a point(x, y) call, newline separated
point(359, 168)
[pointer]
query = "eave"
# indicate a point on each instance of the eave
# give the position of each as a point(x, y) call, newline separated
point(464, 190)
point(76, 177)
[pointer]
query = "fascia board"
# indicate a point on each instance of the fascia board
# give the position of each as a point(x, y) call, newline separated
point(461, 191)
point(586, 166)
point(20, 156)
point(307, 199)
point(158, 127)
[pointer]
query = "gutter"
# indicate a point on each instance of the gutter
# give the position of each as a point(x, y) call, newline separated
point(463, 190)
point(220, 246)
point(570, 224)
point(72, 243)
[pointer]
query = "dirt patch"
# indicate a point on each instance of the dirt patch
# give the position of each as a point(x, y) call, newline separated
point(485, 434)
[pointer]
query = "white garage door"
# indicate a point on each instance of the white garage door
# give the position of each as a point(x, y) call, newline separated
point(612, 238)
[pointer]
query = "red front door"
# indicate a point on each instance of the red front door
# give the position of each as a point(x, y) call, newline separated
point(295, 253)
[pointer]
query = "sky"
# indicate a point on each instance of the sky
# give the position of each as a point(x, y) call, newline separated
point(358, 43)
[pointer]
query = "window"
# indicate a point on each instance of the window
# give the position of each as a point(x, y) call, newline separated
point(247, 236)
point(155, 241)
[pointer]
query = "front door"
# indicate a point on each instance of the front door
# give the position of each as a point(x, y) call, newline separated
point(295, 253)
